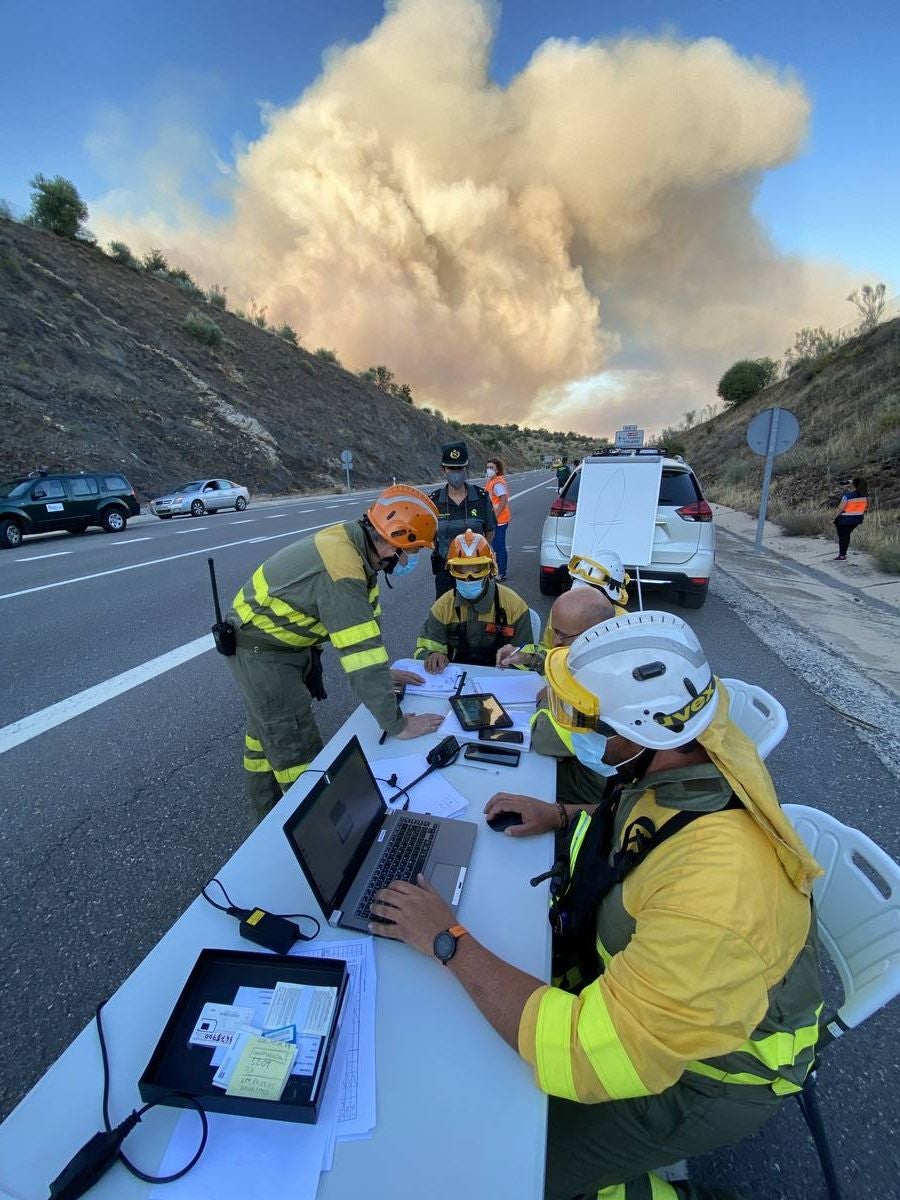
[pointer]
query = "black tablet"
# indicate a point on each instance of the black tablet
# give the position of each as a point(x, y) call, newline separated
point(480, 711)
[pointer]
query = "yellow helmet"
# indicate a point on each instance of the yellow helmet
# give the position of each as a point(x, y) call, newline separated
point(470, 557)
point(605, 572)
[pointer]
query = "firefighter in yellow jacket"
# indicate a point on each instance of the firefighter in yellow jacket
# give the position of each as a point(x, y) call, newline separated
point(470, 623)
point(686, 997)
point(323, 588)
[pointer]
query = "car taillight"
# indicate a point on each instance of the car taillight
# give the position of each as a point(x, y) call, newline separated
point(695, 512)
point(562, 508)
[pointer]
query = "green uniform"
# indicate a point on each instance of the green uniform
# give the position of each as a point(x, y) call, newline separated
point(473, 633)
point(704, 1013)
point(320, 589)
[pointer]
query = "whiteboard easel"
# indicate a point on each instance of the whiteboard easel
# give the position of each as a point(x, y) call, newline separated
point(617, 502)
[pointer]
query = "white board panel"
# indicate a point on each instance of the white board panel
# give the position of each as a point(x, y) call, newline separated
point(617, 503)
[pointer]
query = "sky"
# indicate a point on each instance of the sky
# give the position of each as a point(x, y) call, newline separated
point(572, 214)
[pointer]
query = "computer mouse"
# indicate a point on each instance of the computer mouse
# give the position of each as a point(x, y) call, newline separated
point(504, 820)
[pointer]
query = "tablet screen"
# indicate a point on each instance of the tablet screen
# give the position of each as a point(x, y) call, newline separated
point(480, 712)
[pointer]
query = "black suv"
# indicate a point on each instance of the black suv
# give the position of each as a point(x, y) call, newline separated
point(41, 502)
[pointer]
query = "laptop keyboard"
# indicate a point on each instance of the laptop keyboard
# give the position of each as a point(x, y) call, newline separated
point(403, 858)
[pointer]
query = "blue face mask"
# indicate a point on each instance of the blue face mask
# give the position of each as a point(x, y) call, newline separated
point(405, 568)
point(469, 589)
point(589, 749)
point(457, 477)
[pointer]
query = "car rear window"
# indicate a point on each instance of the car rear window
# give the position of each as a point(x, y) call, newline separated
point(573, 483)
point(82, 485)
point(115, 483)
point(677, 488)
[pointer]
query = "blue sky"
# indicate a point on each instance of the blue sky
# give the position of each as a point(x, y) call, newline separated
point(73, 63)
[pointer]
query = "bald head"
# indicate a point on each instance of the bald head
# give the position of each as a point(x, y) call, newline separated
point(575, 611)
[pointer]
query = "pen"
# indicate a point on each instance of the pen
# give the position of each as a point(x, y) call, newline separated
point(479, 767)
point(459, 686)
point(383, 737)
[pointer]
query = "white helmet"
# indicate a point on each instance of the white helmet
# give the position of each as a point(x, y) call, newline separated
point(605, 572)
point(643, 676)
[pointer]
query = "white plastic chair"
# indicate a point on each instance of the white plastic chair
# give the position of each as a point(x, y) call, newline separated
point(535, 626)
point(859, 926)
point(757, 713)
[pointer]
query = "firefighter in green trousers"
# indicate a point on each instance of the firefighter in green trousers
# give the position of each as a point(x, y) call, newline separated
point(323, 588)
point(686, 998)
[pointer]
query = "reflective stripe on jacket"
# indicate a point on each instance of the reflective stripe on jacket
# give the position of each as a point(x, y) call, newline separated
point(856, 506)
point(321, 589)
point(441, 632)
point(707, 961)
point(500, 502)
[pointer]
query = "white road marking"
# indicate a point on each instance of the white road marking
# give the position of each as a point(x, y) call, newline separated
point(274, 516)
point(131, 541)
point(527, 490)
point(332, 506)
point(301, 511)
point(73, 706)
point(35, 557)
point(192, 529)
point(152, 562)
point(245, 521)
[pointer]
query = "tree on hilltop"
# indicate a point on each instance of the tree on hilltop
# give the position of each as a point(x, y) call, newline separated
point(57, 206)
point(869, 302)
point(745, 378)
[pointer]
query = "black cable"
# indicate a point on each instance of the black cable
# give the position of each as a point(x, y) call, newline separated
point(234, 911)
point(126, 1162)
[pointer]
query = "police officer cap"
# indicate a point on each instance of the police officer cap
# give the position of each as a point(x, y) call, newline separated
point(454, 454)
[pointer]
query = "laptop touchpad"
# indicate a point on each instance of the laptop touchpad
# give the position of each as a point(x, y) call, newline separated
point(445, 877)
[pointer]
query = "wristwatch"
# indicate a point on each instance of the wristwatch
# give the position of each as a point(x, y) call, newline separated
point(445, 943)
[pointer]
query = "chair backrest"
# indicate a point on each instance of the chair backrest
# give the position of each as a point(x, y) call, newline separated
point(859, 922)
point(535, 626)
point(757, 713)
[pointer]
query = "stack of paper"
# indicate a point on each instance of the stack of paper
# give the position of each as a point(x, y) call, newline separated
point(445, 684)
point(513, 687)
point(433, 795)
point(251, 1159)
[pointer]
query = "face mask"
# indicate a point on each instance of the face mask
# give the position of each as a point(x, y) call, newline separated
point(469, 589)
point(589, 749)
point(405, 568)
point(491, 472)
point(456, 478)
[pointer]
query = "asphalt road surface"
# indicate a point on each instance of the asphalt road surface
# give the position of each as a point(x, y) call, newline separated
point(112, 818)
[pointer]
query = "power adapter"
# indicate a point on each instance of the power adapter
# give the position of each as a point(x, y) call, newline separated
point(275, 933)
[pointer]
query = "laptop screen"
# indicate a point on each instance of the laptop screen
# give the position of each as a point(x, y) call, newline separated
point(335, 825)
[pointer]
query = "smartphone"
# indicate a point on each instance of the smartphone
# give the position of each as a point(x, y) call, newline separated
point(497, 756)
point(501, 735)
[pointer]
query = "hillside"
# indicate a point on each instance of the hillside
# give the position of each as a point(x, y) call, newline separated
point(96, 372)
point(848, 407)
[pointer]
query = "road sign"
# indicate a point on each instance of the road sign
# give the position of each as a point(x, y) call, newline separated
point(629, 437)
point(346, 458)
point(771, 432)
point(787, 430)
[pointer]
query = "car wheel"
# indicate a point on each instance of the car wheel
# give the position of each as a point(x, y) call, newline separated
point(695, 598)
point(198, 508)
point(164, 516)
point(240, 504)
point(549, 584)
point(113, 520)
point(10, 535)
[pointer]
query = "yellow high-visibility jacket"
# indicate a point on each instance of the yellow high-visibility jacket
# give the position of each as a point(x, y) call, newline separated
point(453, 624)
point(322, 589)
point(706, 950)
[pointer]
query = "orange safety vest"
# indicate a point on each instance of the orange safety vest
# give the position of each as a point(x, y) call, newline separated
point(500, 503)
point(854, 508)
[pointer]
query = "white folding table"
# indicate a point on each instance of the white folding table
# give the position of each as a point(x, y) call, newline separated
point(458, 1111)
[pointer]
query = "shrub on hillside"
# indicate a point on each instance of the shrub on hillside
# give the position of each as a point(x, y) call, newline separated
point(803, 524)
point(57, 206)
point(288, 334)
point(155, 260)
point(6, 211)
point(216, 297)
point(121, 253)
point(202, 327)
point(887, 556)
point(745, 378)
point(327, 355)
point(809, 344)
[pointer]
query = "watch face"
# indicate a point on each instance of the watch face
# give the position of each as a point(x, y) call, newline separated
point(444, 945)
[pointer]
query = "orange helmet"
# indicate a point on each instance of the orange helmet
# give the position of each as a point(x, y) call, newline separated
point(405, 517)
point(469, 556)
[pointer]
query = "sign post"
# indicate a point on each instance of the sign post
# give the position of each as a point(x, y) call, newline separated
point(770, 433)
point(347, 463)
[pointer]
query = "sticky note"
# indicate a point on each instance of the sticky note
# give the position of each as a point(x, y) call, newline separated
point(262, 1069)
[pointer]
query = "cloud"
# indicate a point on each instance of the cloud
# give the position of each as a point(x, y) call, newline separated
point(495, 245)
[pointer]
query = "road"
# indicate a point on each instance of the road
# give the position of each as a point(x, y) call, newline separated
point(114, 817)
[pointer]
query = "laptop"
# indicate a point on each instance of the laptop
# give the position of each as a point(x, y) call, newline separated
point(350, 844)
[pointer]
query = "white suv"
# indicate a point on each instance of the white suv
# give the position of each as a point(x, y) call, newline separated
point(684, 540)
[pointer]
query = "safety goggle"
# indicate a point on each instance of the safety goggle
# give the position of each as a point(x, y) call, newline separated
point(572, 706)
point(595, 573)
point(470, 570)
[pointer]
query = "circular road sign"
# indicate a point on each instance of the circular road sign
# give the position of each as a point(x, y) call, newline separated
point(760, 427)
point(347, 458)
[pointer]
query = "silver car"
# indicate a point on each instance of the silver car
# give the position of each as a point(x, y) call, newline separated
point(201, 497)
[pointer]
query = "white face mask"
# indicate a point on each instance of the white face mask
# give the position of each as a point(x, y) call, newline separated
point(490, 472)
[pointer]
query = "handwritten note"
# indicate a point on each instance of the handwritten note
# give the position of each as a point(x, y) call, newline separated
point(262, 1069)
